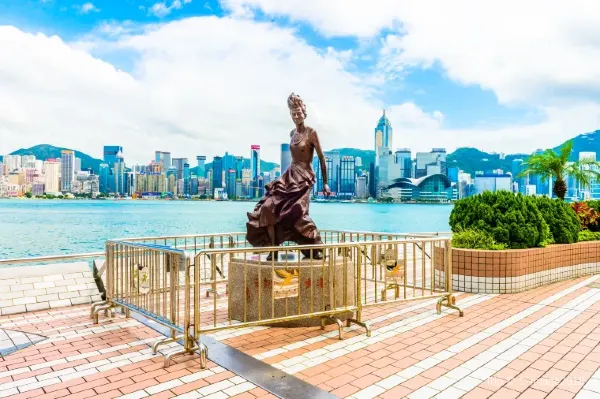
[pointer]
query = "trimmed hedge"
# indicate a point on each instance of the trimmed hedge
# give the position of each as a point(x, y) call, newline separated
point(475, 239)
point(511, 219)
point(561, 218)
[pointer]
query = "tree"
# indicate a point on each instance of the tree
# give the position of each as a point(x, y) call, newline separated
point(556, 166)
point(28, 194)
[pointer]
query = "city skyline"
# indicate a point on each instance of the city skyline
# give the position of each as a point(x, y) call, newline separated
point(128, 74)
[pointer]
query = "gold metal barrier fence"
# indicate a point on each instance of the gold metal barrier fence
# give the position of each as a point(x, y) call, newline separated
point(286, 285)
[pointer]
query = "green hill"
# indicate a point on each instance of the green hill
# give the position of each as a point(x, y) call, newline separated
point(45, 151)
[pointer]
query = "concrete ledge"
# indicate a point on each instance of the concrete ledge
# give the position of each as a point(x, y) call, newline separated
point(31, 288)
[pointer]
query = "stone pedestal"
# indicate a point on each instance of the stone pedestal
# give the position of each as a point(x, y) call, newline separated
point(318, 286)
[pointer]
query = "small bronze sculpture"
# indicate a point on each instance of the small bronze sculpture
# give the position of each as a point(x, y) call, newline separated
point(282, 213)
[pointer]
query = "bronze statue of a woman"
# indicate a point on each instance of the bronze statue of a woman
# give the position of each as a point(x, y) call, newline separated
point(282, 213)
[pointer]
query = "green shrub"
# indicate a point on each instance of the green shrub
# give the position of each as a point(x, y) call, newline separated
point(595, 205)
point(561, 219)
point(511, 219)
point(586, 235)
point(475, 239)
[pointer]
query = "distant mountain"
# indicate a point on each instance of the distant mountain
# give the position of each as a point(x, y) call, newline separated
point(586, 142)
point(367, 156)
point(45, 151)
point(265, 166)
point(471, 160)
point(465, 158)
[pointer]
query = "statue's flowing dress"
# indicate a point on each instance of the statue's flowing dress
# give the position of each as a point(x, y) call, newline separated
point(284, 205)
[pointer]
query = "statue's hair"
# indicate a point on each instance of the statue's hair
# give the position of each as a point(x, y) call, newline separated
point(294, 101)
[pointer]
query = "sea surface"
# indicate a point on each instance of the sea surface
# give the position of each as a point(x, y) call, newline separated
point(55, 227)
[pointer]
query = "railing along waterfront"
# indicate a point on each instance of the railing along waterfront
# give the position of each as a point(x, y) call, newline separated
point(218, 287)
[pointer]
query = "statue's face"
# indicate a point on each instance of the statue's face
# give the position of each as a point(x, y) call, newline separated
point(297, 115)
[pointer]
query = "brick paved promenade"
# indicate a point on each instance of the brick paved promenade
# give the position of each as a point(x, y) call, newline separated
point(544, 343)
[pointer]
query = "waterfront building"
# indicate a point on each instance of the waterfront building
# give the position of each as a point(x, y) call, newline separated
point(118, 178)
point(239, 189)
point(358, 162)
point(193, 185)
point(27, 161)
point(255, 167)
point(67, 170)
point(77, 164)
point(201, 167)
point(362, 189)
point(37, 189)
point(403, 158)
point(428, 163)
point(347, 178)
point(516, 168)
point(286, 157)
point(530, 189)
point(593, 190)
point(172, 181)
point(51, 175)
point(255, 161)
point(383, 135)
point(372, 180)
point(202, 186)
point(186, 179)
point(104, 176)
point(217, 172)
point(12, 162)
point(150, 184)
point(178, 164)
point(163, 157)
point(2, 172)
point(110, 153)
point(433, 188)
point(492, 182)
point(385, 166)
point(453, 174)
point(230, 185)
point(239, 167)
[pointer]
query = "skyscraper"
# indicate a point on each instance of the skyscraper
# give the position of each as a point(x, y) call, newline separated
point(164, 158)
point(51, 173)
point(255, 168)
point(110, 154)
point(120, 186)
point(403, 159)
point(347, 177)
point(383, 135)
point(77, 165)
point(231, 183)
point(217, 173)
point(67, 170)
point(178, 163)
point(186, 179)
point(239, 167)
point(255, 161)
point(103, 178)
point(201, 168)
point(286, 157)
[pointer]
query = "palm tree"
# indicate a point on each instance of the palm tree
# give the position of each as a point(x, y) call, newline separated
point(553, 165)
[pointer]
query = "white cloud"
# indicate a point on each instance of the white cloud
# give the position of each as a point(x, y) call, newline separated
point(525, 51)
point(190, 94)
point(162, 9)
point(88, 7)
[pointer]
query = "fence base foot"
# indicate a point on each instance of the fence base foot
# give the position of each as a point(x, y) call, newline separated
point(203, 354)
point(164, 341)
point(106, 308)
point(94, 306)
point(364, 325)
point(337, 321)
point(449, 302)
point(171, 355)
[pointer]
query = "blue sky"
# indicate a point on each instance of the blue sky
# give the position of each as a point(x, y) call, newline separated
point(447, 79)
point(463, 105)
